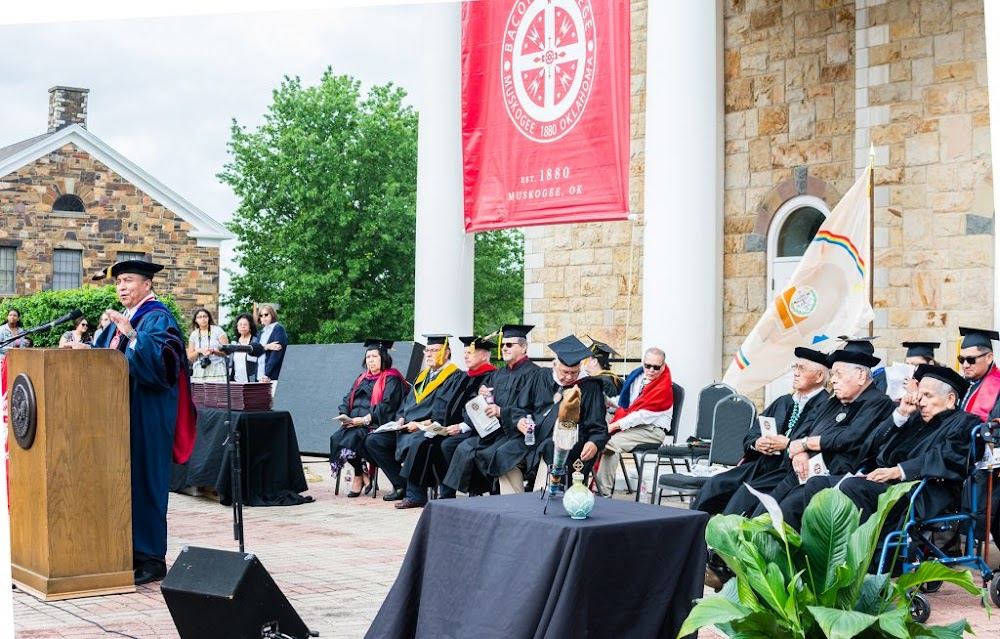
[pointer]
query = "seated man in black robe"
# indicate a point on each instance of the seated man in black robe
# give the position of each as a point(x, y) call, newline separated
point(427, 459)
point(387, 449)
point(508, 393)
point(762, 466)
point(927, 436)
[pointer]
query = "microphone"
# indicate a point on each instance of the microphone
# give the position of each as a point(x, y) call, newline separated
point(68, 317)
point(255, 349)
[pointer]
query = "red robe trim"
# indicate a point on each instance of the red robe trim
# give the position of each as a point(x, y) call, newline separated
point(185, 429)
point(985, 396)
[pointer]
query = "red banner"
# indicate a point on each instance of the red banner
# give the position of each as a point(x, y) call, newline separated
point(545, 111)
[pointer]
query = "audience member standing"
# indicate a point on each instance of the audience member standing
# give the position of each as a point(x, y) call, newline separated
point(9, 330)
point(102, 324)
point(274, 338)
point(208, 362)
point(244, 365)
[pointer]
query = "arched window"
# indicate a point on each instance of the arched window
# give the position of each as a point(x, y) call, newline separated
point(798, 230)
point(69, 203)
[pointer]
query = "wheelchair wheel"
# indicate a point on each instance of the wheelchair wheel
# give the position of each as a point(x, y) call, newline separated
point(920, 608)
point(931, 586)
point(995, 589)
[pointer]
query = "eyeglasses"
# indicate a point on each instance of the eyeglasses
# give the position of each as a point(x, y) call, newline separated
point(971, 359)
point(265, 315)
point(652, 367)
point(508, 345)
point(84, 324)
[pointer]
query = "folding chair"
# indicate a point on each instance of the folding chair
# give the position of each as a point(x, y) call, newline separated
point(690, 452)
point(915, 544)
point(731, 419)
point(640, 451)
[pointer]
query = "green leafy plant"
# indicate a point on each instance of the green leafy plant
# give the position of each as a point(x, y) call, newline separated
point(92, 300)
point(815, 583)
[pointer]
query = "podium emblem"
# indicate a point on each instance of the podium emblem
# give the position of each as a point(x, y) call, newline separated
point(23, 411)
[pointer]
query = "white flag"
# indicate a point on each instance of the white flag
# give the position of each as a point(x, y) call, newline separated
point(826, 296)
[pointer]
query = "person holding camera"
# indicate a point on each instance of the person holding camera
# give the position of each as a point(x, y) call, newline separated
point(208, 363)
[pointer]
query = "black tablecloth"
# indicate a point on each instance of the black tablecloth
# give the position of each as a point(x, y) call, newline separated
point(497, 567)
point(272, 468)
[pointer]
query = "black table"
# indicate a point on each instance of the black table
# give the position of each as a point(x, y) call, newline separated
point(497, 567)
point(272, 468)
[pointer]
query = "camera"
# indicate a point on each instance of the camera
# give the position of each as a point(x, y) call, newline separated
point(204, 361)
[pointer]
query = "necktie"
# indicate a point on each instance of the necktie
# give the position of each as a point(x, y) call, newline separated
point(794, 419)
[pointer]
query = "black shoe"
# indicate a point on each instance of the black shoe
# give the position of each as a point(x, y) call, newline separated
point(149, 572)
point(396, 495)
point(409, 503)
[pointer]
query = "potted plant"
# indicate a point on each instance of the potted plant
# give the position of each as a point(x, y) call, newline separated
point(815, 583)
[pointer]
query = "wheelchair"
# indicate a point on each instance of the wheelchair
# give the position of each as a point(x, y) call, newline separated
point(914, 542)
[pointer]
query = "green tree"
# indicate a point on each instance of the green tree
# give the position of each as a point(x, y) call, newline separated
point(326, 221)
point(499, 280)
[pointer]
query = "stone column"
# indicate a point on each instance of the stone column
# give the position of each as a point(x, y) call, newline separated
point(991, 18)
point(444, 252)
point(682, 242)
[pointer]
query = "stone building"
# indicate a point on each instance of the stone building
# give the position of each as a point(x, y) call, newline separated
point(70, 205)
point(796, 92)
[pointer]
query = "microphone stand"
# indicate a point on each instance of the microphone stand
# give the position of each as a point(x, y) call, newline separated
point(236, 467)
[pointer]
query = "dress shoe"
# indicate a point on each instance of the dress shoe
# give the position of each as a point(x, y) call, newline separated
point(149, 572)
point(409, 503)
point(396, 495)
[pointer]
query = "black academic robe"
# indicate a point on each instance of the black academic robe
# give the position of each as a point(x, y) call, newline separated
point(843, 429)
point(426, 461)
point(937, 450)
point(511, 392)
point(353, 438)
point(763, 472)
point(413, 411)
point(611, 384)
point(593, 427)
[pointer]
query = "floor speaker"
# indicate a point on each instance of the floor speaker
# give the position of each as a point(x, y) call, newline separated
point(220, 593)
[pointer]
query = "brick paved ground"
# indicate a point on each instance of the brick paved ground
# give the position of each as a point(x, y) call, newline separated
point(334, 559)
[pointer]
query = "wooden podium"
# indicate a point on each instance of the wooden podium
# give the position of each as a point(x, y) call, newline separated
point(70, 489)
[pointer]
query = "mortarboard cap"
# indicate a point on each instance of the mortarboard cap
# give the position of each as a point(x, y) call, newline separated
point(601, 351)
point(859, 344)
point(438, 338)
point(853, 356)
point(946, 375)
point(570, 350)
point(817, 357)
point(384, 344)
point(921, 349)
point(977, 337)
point(516, 330)
point(478, 343)
point(147, 269)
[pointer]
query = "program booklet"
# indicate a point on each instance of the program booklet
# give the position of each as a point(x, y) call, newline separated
point(434, 430)
point(817, 468)
point(477, 413)
point(768, 426)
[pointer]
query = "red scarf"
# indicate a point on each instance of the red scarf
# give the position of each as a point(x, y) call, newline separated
point(379, 390)
point(982, 399)
point(656, 396)
point(482, 369)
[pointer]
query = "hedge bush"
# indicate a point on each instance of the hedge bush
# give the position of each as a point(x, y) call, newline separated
point(92, 300)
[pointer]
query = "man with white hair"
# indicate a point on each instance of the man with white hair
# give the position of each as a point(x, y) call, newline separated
point(762, 465)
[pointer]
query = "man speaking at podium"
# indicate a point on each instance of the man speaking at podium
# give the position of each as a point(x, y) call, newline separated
point(161, 413)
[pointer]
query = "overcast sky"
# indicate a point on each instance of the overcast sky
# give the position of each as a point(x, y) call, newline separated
point(164, 90)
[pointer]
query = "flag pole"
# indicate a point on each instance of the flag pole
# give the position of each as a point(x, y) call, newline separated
point(871, 234)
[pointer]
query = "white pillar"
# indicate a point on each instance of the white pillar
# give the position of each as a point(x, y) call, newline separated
point(991, 18)
point(682, 243)
point(444, 252)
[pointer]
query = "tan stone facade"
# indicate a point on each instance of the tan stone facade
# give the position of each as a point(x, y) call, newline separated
point(808, 85)
point(118, 218)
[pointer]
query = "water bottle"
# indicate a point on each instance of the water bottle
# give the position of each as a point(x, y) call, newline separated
point(529, 435)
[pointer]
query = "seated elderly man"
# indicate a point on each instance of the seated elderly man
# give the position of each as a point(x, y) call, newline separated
point(762, 466)
point(645, 407)
point(927, 436)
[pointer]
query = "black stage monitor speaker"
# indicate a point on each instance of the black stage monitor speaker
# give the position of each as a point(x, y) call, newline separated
point(220, 593)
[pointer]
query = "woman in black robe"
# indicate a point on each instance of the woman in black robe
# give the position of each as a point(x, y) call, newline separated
point(372, 401)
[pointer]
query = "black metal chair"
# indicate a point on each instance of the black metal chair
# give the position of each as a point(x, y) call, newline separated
point(692, 451)
point(639, 452)
point(731, 419)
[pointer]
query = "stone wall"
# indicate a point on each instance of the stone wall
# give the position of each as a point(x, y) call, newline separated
point(586, 278)
point(119, 217)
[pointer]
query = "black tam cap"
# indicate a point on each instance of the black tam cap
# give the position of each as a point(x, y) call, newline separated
point(946, 375)
point(857, 350)
point(438, 338)
point(478, 343)
point(570, 350)
point(601, 351)
point(516, 330)
point(817, 357)
point(921, 349)
point(977, 337)
point(384, 344)
point(147, 269)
